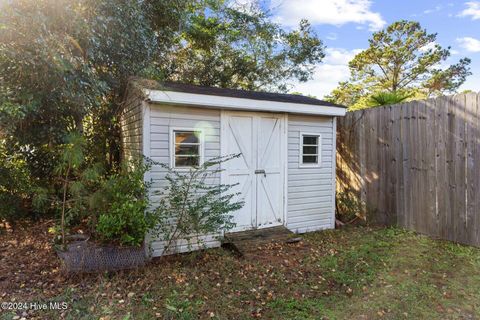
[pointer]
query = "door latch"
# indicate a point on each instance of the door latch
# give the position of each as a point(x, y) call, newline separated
point(261, 172)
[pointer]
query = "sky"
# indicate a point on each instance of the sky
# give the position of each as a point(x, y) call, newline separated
point(346, 25)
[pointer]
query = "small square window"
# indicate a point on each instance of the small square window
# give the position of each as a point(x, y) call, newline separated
point(187, 147)
point(310, 150)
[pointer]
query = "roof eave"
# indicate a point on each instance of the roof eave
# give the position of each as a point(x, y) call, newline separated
point(231, 103)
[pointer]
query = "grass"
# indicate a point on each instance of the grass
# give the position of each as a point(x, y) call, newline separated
point(355, 273)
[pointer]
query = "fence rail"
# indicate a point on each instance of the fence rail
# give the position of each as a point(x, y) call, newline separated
point(416, 164)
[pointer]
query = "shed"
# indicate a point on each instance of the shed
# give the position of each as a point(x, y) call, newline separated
point(286, 171)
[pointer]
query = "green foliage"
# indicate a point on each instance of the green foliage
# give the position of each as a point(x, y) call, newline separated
point(360, 259)
point(63, 67)
point(112, 206)
point(190, 207)
point(123, 223)
point(16, 186)
point(386, 98)
point(349, 206)
point(121, 203)
point(230, 47)
point(47, 85)
point(69, 166)
point(180, 306)
point(403, 58)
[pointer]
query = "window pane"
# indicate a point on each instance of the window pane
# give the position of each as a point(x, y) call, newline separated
point(186, 137)
point(310, 159)
point(187, 161)
point(310, 140)
point(186, 150)
point(310, 150)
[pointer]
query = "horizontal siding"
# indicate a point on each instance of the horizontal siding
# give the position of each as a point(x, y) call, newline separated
point(310, 190)
point(182, 245)
point(162, 119)
point(131, 126)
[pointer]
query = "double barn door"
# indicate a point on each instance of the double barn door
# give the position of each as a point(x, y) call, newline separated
point(259, 172)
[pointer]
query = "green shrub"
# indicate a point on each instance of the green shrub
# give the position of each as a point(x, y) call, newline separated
point(113, 207)
point(349, 207)
point(190, 207)
point(16, 186)
point(122, 204)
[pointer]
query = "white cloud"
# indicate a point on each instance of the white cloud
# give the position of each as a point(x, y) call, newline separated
point(328, 74)
point(470, 44)
point(432, 10)
point(334, 12)
point(429, 46)
point(339, 56)
point(472, 10)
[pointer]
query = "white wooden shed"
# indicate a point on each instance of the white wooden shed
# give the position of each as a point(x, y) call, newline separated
point(286, 171)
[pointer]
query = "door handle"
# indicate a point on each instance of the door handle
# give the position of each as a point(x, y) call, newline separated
point(261, 172)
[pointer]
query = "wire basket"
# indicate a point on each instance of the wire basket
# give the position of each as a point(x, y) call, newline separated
point(85, 257)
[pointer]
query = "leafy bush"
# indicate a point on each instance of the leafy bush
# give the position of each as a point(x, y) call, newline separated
point(16, 186)
point(122, 203)
point(190, 207)
point(349, 207)
point(113, 206)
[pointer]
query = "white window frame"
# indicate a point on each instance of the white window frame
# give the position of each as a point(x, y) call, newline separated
point(319, 150)
point(201, 147)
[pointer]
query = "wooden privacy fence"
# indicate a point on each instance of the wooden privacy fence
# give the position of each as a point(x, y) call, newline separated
point(416, 164)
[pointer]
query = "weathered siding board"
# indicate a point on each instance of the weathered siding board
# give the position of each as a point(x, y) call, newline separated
point(182, 245)
point(309, 190)
point(131, 124)
point(162, 118)
point(416, 164)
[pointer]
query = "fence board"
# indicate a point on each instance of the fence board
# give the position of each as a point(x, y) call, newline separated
point(441, 133)
point(416, 164)
point(471, 143)
point(430, 163)
point(398, 147)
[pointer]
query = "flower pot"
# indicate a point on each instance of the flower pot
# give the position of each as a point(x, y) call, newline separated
point(83, 256)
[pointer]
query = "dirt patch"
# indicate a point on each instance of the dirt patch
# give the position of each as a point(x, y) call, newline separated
point(28, 264)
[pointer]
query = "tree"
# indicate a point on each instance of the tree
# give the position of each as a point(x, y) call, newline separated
point(386, 98)
point(64, 66)
point(404, 59)
point(237, 48)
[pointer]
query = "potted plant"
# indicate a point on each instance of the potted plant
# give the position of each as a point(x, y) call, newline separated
point(111, 208)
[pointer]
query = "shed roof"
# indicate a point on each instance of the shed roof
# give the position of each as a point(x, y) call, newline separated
point(255, 95)
point(212, 97)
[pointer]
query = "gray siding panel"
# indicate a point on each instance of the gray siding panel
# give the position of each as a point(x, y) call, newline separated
point(310, 190)
point(131, 124)
point(162, 119)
